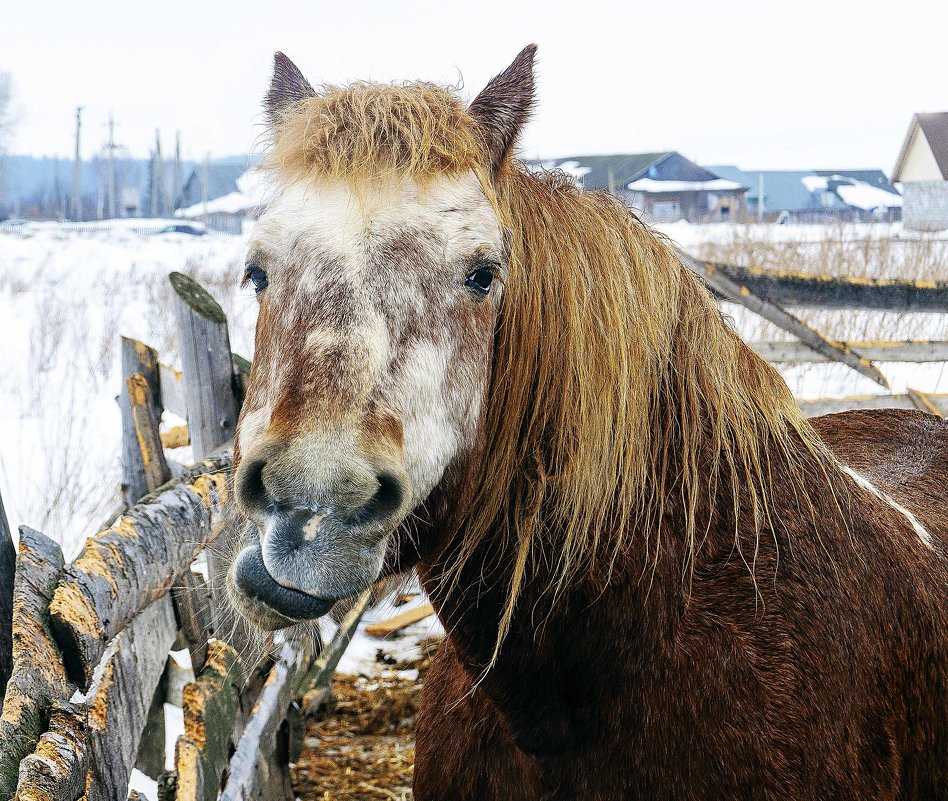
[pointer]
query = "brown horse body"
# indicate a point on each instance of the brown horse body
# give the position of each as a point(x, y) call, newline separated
point(825, 678)
point(658, 579)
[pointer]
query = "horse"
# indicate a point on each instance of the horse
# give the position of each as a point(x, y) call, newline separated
point(657, 578)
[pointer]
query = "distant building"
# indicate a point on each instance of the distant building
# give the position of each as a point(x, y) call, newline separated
point(922, 169)
point(817, 195)
point(240, 200)
point(662, 187)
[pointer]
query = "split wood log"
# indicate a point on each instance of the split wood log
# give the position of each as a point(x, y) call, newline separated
point(150, 758)
point(121, 693)
point(878, 351)
point(207, 365)
point(176, 437)
point(212, 716)
point(788, 288)
point(192, 606)
point(145, 430)
point(39, 677)
point(259, 768)
point(58, 769)
point(128, 566)
point(7, 572)
point(923, 402)
point(137, 357)
point(399, 621)
point(729, 289)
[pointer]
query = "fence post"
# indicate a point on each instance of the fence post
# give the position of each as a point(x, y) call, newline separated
point(7, 570)
point(137, 357)
point(207, 365)
point(145, 420)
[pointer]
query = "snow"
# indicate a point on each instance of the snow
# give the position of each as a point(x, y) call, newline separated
point(651, 185)
point(852, 192)
point(251, 194)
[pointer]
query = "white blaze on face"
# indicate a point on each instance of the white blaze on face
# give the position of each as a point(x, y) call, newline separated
point(375, 278)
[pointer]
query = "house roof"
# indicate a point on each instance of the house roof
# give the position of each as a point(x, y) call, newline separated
point(221, 180)
point(934, 127)
point(595, 171)
point(795, 190)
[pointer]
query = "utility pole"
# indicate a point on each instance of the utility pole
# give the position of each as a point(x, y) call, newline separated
point(57, 190)
point(76, 206)
point(176, 178)
point(205, 180)
point(111, 148)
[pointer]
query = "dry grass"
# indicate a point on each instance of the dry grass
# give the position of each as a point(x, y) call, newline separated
point(362, 746)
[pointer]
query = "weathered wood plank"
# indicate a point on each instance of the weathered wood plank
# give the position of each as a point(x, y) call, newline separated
point(172, 390)
point(787, 288)
point(150, 758)
point(819, 406)
point(121, 694)
point(145, 430)
point(57, 770)
point(905, 351)
point(137, 357)
point(38, 676)
point(923, 402)
point(740, 294)
point(211, 706)
point(207, 365)
point(7, 572)
point(259, 767)
point(192, 606)
point(128, 566)
point(399, 621)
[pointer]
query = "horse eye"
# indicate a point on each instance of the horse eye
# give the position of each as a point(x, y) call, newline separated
point(257, 277)
point(480, 279)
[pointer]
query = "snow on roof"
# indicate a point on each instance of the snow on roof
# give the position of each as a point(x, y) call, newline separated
point(251, 194)
point(858, 194)
point(653, 186)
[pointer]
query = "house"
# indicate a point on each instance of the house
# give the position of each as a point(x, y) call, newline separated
point(817, 195)
point(922, 169)
point(662, 187)
point(230, 201)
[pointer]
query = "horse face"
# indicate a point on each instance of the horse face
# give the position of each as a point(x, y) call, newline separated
point(377, 312)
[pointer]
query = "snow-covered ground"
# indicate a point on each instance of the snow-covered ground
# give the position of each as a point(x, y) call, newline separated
point(66, 297)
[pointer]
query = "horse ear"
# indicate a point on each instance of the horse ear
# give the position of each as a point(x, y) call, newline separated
point(504, 105)
point(287, 88)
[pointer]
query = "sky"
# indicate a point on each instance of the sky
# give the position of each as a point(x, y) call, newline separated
point(806, 85)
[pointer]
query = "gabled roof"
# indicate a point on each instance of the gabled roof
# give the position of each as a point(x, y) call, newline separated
point(595, 172)
point(934, 128)
point(221, 180)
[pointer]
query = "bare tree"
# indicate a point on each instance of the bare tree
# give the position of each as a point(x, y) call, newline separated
point(7, 120)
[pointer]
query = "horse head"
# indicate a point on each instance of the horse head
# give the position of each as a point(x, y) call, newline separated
point(379, 268)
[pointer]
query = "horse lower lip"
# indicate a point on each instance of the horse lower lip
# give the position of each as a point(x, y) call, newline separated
point(252, 578)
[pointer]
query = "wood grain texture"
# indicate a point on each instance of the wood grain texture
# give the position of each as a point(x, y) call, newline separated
point(58, 768)
point(38, 677)
point(878, 351)
point(137, 358)
point(399, 621)
point(120, 697)
point(207, 365)
point(212, 717)
point(145, 419)
point(192, 606)
point(125, 568)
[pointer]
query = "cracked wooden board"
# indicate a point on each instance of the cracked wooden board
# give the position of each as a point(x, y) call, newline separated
point(58, 769)
point(39, 677)
point(134, 562)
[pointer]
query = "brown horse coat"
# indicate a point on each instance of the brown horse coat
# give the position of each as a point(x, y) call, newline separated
point(828, 679)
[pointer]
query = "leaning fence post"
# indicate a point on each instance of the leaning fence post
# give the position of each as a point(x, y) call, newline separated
point(148, 441)
point(138, 358)
point(207, 365)
point(7, 571)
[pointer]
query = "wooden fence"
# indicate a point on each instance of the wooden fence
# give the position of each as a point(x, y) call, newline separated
point(92, 649)
point(95, 647)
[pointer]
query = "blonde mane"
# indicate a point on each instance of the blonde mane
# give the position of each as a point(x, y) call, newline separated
point(609, 353)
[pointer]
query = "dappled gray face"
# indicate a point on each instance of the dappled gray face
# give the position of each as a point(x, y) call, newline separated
point(377, 310)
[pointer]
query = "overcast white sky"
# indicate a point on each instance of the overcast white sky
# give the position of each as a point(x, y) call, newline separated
point(760, 84)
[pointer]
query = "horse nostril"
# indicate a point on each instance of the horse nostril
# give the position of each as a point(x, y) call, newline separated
point(387, 499)
point(251, 493)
